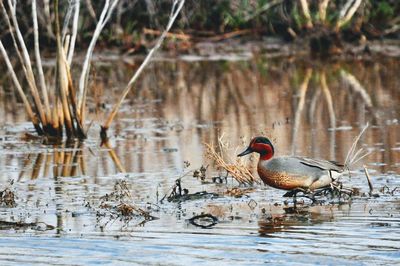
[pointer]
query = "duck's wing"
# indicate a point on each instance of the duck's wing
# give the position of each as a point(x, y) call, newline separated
point(321, 164)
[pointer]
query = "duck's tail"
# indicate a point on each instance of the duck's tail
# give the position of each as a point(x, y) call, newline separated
point(354, 156)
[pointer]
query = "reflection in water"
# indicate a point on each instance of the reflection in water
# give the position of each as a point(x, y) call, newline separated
point(295, 217)
point(306, 108)
point(63, 160)
point(309, 110)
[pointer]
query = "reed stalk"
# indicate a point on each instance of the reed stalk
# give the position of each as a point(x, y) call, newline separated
point(83, 81)
point(63, 107)
point(329, 100)
point(39, 61)
point(27, 63)
point(300, 106)
point(352, 156)
point(176, 7)
point(306, 13)
point(322, 6)
point(62, 79)
point(21, 92)
point(371, 187)
point(75, 21)
point(347, 12)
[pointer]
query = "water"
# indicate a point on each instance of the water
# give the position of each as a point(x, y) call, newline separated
point(178, 106)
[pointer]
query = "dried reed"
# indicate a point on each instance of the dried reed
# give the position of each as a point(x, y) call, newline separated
point(237, 169)
point(54, 111)
point(176, 7)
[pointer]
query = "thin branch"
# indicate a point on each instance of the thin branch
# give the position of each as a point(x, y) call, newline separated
point(177, 6)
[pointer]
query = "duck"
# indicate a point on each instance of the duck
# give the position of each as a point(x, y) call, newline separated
point(292, 173)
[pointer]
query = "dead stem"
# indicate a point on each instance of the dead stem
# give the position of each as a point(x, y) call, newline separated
point(119, 205)
point(7, 198)
point(371, 187)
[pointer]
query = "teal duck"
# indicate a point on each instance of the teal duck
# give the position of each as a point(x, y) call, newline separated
point(292, 172)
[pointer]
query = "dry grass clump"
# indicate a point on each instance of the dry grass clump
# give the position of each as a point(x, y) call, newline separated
point(7, 198)
point(236, 168)
point(119, 205)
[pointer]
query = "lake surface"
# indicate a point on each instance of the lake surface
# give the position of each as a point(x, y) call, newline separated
point(306, 107)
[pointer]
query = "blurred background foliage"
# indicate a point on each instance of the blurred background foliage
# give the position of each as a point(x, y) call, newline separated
point(203, 19)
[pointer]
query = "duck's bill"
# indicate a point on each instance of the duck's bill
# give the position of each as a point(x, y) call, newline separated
point(247, 151)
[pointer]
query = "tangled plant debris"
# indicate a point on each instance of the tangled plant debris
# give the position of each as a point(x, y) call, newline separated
point(334, 191)
point(37, 226)
point(7, 198)
point(119, 205)
point(179, 194)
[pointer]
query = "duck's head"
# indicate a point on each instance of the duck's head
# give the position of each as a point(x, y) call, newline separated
point(261, 145)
